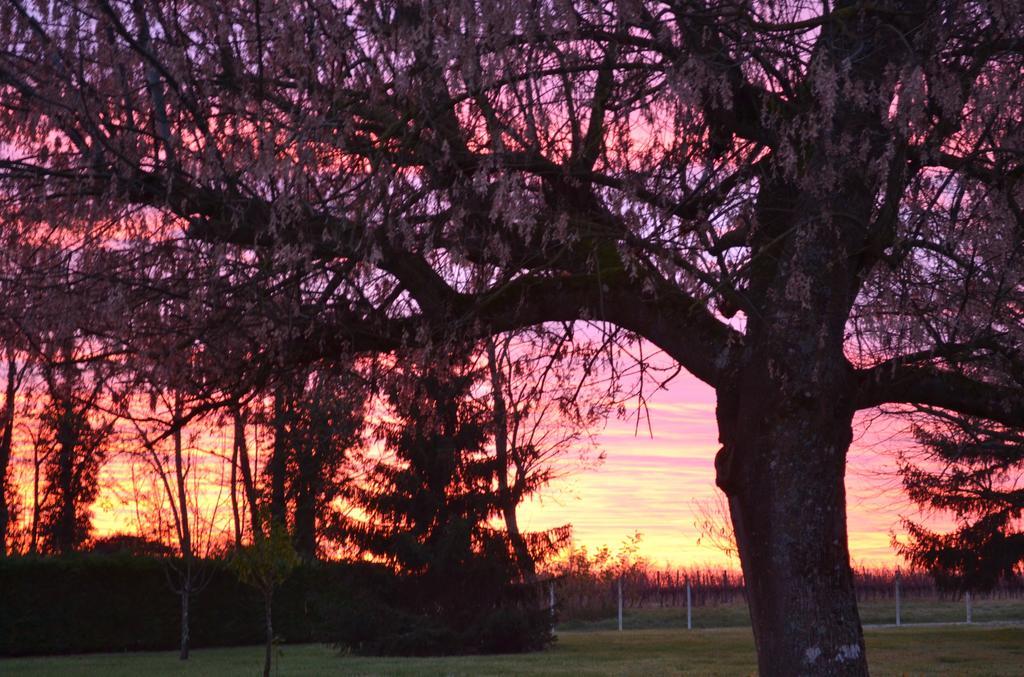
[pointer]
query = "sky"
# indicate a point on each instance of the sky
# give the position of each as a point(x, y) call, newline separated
point(651, 482)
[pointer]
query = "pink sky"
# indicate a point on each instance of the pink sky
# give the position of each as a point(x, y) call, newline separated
point(649, 485)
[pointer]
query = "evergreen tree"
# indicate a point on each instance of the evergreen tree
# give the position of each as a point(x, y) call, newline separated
point(429, 504)
point(972, 469)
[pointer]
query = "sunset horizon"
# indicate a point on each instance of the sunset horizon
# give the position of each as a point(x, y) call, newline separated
point(649, 483)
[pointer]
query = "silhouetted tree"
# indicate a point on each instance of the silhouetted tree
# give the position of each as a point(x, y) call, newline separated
point(132, 544)
point(429, 499)
point(13, 376)
point(544, 410)
point(428, 505)
point(973, 470)
point(843, 180)
point(76, 448)
point(316, 420)
point(264, 564)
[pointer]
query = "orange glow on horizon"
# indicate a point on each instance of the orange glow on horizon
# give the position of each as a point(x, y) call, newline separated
point(648, 484)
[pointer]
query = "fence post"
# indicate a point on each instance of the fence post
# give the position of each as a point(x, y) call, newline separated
point(967, 601)
point(689, 609)
point(620, 603)
point(899, 620)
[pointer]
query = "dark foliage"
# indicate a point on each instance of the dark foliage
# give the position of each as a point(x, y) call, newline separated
point(129, 544)
point(317, 420)
point(971, 469)
point(429, 507)
point(91, 602)
point(100, 602)
point(72, 472)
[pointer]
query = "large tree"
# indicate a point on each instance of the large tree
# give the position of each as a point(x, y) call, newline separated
point(814, 208)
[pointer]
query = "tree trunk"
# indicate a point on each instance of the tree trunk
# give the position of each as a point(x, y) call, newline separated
point(519, 545)
point(277, 465)
point(782, 465)
point(236, 519)
point(185, 531)
point(248, 484)
point(186, 595)
point(64, 530)
point(304, 516)
point(6, 443)
point(501, 460)
point(33, 543)
point(268, 603)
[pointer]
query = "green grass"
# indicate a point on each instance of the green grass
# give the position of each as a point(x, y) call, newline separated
point(940, 650)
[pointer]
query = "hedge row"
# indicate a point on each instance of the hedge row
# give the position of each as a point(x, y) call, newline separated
point(112, 603)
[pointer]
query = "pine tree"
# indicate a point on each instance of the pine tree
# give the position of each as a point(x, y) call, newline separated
point(972, 469)
point(429, 506)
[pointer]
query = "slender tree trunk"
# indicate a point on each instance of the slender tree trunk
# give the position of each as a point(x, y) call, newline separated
point(501, 453)
point(33, 544)
point(236, 519)
point(268, 607)
point(184, 536)
point(248, 484)
point(6, 442)
point(186, 596)
point(277, 466)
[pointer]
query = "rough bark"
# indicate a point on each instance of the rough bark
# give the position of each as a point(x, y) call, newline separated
point(785, 415)
point(788, 508)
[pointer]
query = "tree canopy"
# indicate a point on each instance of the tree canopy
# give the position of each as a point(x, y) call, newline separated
point(813, 207)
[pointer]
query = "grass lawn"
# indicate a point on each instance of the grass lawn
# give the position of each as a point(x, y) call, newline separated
point(937, 650)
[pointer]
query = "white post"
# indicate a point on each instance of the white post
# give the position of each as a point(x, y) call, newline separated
point(620, 603)
point(551, 600)
point(899, 621)
point(967, 601)
point(689, 609)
